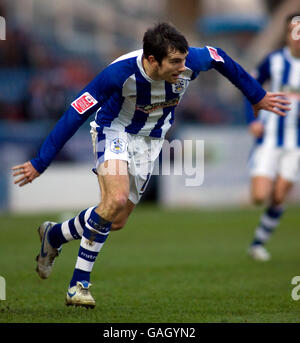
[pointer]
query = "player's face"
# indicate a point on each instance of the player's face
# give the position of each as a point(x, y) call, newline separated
point(171, 66)
point(292, 41)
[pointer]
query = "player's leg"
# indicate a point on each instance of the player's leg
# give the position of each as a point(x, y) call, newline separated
point(54, 235)
point(288, 168)
point(261, 189)
point(122, 184)
point(263, 171)
point(121, 189)
point(270, 219)
point(121, 218)
point(114, 185)
point(288, 174)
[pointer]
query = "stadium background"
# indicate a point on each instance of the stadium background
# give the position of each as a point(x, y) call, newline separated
point(53, 49)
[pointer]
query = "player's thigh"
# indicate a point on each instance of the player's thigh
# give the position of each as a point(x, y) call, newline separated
point(113, 179)
point(145, 151)
point(264, 162)
point(281, 189)
point(261, 188)
point(263, 165)
point(289, 168)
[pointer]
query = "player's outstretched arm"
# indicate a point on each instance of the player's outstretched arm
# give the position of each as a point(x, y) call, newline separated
point(27, 171)
point(273, 102)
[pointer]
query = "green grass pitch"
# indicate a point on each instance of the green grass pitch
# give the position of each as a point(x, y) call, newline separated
point(166, 266)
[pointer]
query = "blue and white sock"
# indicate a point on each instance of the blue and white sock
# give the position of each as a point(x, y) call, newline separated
point(95, 233)
point(268, 223)
point(69, 230)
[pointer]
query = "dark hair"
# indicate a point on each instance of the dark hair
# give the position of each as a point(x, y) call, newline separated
point(160, 38)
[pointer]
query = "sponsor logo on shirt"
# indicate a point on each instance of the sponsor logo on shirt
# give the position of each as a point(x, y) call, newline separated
point(84, 102)
point(157, 105)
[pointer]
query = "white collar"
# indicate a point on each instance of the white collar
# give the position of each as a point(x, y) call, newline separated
point(139, 61)
point(289, 56)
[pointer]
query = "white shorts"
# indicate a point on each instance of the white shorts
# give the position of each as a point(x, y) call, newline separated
point(275, 162)
point(139, 151)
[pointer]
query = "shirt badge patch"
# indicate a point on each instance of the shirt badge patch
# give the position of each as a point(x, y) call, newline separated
point(84, 102)
point(118, 145)
point(180, 85)
point(214, 54)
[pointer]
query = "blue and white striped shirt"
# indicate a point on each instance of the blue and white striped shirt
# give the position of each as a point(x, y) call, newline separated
point(126, 99)
point(282, 70)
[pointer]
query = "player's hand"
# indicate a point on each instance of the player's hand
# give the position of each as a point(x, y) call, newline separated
point(27, 171)
point(256, 128)
point(274, 102)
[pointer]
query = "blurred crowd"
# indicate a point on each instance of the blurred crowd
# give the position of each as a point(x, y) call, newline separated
point(36, 83)
point(39, 79)
point(52, 51)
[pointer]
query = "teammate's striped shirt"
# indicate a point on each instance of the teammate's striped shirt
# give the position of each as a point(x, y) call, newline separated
point(127, 100)
point(282, 70)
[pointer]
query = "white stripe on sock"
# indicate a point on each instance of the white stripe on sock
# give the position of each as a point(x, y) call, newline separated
point(262, 234)
point(78, 226)
point(84, 265)
point(88, 213)
point(66, 231)
point(269, 222)
point(95, 247)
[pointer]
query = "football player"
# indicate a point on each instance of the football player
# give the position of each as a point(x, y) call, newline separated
point(275, 159)
point(134, 99)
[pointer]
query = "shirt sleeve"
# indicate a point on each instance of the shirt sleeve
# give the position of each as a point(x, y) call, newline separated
point(88, 101)
point(225, 65)
point(203, 59)
point(261, 74)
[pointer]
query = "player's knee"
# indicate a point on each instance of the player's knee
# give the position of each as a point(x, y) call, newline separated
point(278, 199)
point(118, 225)
point(118, 200)
point(258, 199)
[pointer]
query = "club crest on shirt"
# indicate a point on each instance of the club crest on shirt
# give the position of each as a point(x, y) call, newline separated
point(118, 145)
point(180, 85)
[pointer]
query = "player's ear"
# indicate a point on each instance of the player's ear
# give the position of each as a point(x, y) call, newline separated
point(152, 61)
